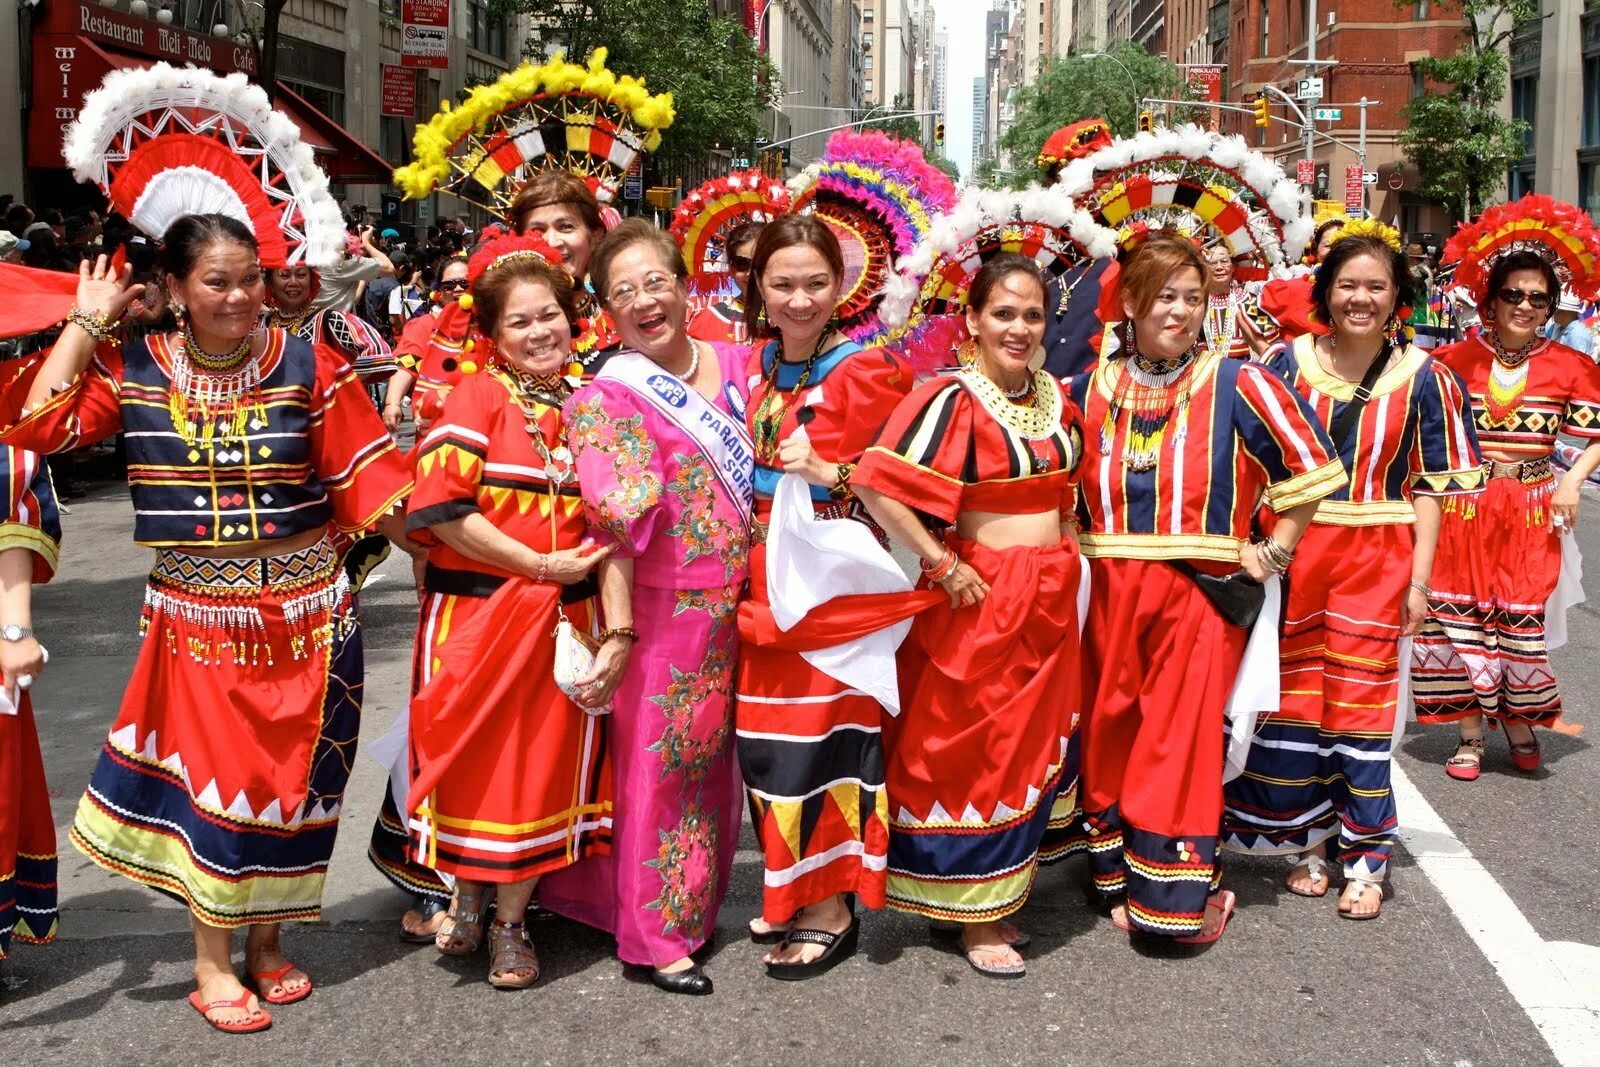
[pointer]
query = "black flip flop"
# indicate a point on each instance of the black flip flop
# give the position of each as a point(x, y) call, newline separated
point(836, 948)
point(428, 907)
point(773, 936)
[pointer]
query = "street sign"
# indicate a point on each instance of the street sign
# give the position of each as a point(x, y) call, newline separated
point(633, 184)
point(1310, 89)
point(741, 163)
point(1305, 171)
point(1354, 190)
point(1369, 177)
point(1326, 114)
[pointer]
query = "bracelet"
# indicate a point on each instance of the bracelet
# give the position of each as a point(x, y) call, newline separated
point(944, 568)
point(1273, 555)
point(841, 481)
point(619, 631)
point(96, 326)
point(1422, 587)
point(544, 567)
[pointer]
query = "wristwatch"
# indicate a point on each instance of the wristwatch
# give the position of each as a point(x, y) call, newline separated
point(14, 633)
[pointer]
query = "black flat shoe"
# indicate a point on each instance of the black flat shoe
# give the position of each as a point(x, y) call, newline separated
point(693, 982)
point(836, 948)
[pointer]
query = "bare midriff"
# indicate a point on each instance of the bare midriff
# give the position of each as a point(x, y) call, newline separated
point(278, 546)
point(999, 531)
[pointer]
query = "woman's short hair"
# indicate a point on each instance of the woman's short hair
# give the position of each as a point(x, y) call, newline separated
point(1509, 264)
point(551, 187)
point(625, 236)
point(1151, 266)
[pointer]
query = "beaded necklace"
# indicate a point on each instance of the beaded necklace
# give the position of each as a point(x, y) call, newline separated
point(1222, 313)
point(1151, 391)
point(215, 400)
point(767, 422)
point(529, 392)
point(1508, 377)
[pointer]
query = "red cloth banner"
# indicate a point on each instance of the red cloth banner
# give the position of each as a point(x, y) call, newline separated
point(399, 96)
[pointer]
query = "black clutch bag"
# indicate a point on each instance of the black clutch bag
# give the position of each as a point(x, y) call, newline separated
point(1237, 597)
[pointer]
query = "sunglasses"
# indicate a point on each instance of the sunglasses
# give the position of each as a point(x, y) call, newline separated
point(739, 262)
point(1514, 297)
point(455, 285)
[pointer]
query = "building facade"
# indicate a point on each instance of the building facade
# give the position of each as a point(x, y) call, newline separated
point(847, 82)
point(800, 40)
point(980, 127)
point(1090, 23)
point(1376, 47)
point(1550, 58)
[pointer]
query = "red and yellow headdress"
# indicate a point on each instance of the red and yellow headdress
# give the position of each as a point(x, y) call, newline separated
point(1074, 142)
point(586, 120)
point(707, 215)
point(1561, 234)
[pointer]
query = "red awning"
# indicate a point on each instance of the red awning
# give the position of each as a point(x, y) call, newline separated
point(338, 153)
point(344, 158)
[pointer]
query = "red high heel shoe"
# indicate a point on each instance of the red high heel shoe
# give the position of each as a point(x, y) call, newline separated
point(1526, 757)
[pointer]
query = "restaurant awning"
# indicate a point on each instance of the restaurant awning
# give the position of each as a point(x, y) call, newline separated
point(341, 156)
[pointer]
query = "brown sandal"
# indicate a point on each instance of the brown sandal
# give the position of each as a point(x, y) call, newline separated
point(463, 924)
point(510, 951)
point(1467, 763)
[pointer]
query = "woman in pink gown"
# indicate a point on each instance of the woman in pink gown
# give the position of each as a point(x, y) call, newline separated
point(665, 464)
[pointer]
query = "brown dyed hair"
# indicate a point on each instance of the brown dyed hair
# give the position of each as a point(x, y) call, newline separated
point(626, 235)
point(493, 288)
point(552, 187)
point(791, 231)
point(1155, 263)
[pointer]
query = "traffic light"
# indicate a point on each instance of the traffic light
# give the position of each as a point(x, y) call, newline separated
point(1263, 114)
point(1147, 122)
point(938, 133)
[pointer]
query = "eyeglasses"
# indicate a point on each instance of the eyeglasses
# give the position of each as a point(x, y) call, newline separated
point(656, 285)
point(739, 262)
point(454, 285)
point(1537, 299)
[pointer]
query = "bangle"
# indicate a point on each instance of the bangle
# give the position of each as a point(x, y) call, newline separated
point(1273, 555)
point(1424, 588)
point(841, 481)
point(946, 566)
point(619, 631)
point(96, 326)
point(544, 567)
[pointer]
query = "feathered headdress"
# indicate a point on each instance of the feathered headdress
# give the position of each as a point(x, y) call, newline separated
point(164, 142)
point(1561, 234)
point(1214, 188)
point(1074, 142)
point(1374, 228)
point(707, 215)
point(879, 195)
point(586, 120)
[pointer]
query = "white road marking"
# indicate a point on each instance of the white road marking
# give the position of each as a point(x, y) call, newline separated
point(1556, 983)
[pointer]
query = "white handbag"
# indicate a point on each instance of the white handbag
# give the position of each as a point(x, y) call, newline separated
point(575, 652)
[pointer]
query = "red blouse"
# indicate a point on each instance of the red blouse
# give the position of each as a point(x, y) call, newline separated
point(1560, 394)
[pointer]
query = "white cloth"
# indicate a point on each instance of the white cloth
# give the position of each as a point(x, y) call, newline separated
point(390, 751)
point(1568, 593)
point(1256, 688)
point(809, 562)
point(337, 284)
point(11, 699)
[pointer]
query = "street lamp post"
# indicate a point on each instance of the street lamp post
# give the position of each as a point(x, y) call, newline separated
point(1133, 83)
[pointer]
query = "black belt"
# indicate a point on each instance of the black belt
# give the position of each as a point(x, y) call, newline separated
point(475, 583)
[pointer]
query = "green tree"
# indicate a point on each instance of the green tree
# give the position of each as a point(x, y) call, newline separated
point(947, 166)
point(1076, 87)
point(907, 129)
point(1455, 135)
point(985, 172)
point(721, 84)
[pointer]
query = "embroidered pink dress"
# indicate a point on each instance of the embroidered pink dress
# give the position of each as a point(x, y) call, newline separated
point(651, 487)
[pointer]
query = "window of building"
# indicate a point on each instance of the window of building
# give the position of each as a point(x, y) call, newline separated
point(866, 39)
point(1591, 101)
point(392, 142)
point(866, 62)
point(1525, 105)
point(867, 15)
point(1419, 82)
point(1266, 30)
point(1420, 9)
point(486, 28)
point(314, 72)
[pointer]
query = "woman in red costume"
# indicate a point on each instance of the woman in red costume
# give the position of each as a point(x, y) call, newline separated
point(417, 376)
point(724, 321)
point(30, 544)
point(1181, 444)
point(975, 473)
point(245, 446)
point(559, 207)
point(290, 292)
point(809, 745)
point(510, 779)
point(1317, 777)
point(1506, 561)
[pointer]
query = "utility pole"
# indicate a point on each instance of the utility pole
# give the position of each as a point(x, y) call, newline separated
point(1313, 67)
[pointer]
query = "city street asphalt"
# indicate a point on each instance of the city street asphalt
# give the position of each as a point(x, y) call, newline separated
point(1447, 976)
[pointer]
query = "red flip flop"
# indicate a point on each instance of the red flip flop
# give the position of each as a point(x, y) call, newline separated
point(261, 1021)
point(267, 979)
point(1224, 902)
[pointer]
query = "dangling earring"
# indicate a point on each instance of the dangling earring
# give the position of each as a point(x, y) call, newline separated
point(179, 313)
point(967, 353)
point(1128, 342)
point(761, 318)
point(1393, 329)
